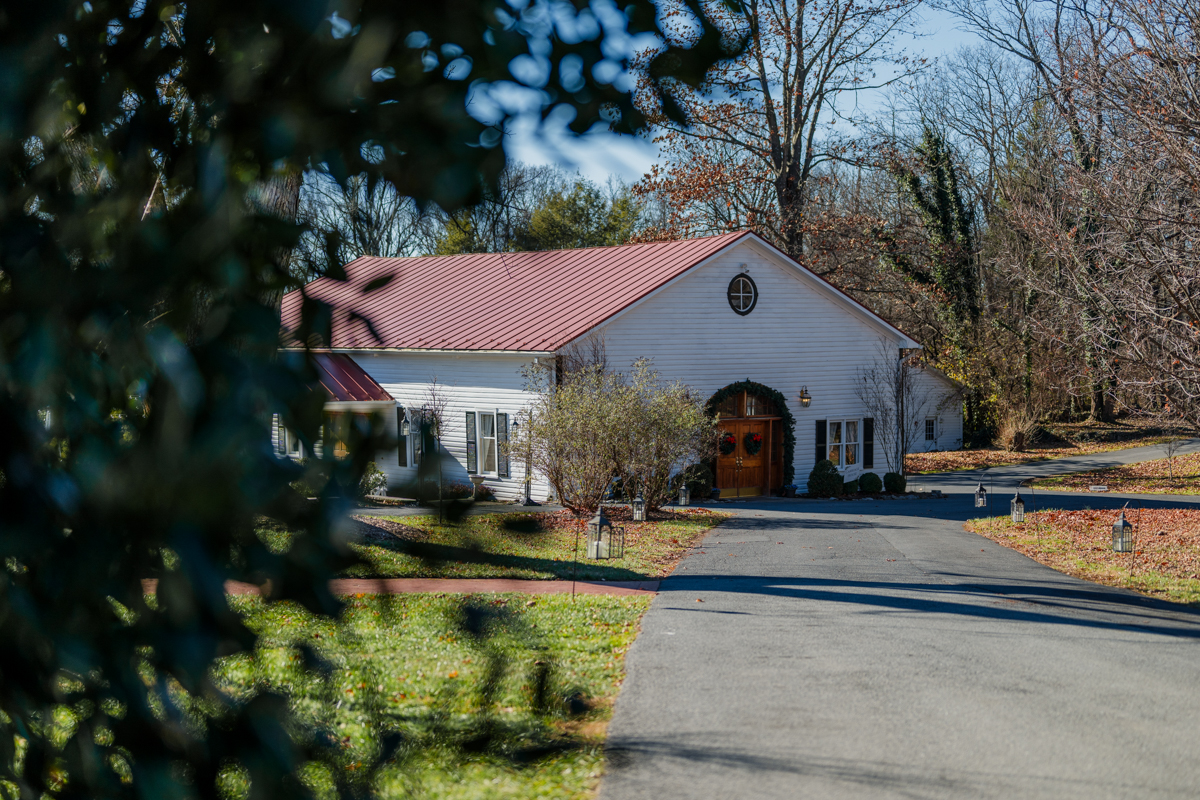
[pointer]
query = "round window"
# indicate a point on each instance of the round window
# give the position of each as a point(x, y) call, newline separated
point(743, 294)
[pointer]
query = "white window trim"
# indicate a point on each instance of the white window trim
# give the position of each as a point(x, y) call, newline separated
point(289, 439)
point(479, 449)
point(858, 437)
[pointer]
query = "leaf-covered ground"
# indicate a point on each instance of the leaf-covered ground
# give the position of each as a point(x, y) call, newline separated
point(523, 545)
point(402, 664)
point(1061, 440)
point(1147, 477)
point(1165, 564)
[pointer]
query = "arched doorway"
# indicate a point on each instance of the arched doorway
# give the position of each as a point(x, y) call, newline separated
point(757, 436)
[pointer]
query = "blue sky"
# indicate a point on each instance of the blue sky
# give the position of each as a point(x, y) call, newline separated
point(601, 154)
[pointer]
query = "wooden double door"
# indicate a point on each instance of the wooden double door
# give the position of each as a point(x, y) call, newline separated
point(742, 473)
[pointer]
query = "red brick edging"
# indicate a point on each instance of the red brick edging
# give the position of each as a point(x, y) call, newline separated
point(353, 586)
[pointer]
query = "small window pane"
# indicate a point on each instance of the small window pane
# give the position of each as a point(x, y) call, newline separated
point(487, 425)
point(851, 454)
point(835, 433)
point(835, 454)
point(489, 455)
point(752, 405)
point(728, 407)
point(929, 430)
point(851, 431)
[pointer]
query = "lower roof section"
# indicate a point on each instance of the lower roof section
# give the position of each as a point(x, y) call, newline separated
point(345, 381)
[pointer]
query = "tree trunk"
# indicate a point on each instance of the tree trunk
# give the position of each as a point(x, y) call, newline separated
point(1101, 412)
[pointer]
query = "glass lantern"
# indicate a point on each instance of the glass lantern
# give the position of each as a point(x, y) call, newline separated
point(685, 495)
point(981, 498)
point(603, 540)
point(805, 398)
point(639, 508)
point(1122, 535)
point(1018, 508)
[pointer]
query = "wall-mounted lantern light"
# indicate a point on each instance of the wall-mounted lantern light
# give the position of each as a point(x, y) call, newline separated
point(805, 398)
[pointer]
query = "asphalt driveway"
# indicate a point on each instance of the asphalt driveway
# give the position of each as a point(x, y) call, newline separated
point(875, 649)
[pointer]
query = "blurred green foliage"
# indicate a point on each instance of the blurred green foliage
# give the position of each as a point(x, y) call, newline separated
point(150, 154)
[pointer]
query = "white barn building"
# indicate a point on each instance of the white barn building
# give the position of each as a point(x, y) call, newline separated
point(730, 315)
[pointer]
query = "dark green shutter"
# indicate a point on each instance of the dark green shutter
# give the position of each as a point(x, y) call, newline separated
point(502, 444)
point(401, 437)
point(868, 458)
point(472, 445)
point(821, 432)
point(280, 436)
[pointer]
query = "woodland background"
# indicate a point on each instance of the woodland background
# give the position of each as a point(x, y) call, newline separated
point(1024, 207)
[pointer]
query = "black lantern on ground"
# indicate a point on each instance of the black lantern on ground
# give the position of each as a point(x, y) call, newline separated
point(603, 540)
point(639, 508)
point(981, 499)
point(1018, 508)
point(685, 495)
point(1122, 535)
point(805, 398)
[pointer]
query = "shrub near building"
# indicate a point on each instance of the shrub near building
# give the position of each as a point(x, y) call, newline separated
point(894, 483)
point(870, 483)
point(824, 480)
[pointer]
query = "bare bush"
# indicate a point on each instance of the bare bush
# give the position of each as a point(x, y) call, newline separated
point(1018, 429)
point(595, 425)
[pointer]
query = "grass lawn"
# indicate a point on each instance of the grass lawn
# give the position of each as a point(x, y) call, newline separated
point(536, 546)
point(1165, 564)
point(403, 664)
point(1147, 477)
point(1061, 440)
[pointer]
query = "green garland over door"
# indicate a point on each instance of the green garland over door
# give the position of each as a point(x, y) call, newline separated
point(789, 422)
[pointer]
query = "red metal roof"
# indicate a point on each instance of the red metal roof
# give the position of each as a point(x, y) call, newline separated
point(536, 301)
point(344, 381)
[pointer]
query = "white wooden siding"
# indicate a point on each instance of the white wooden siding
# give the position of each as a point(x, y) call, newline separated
point(949, 427)
point(468, 382)
point(796, 336)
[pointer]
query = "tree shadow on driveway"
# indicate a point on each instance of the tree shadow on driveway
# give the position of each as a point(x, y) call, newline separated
point(631, 757)
point(1083, 606)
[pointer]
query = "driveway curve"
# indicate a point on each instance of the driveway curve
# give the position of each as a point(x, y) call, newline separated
point(876, 649)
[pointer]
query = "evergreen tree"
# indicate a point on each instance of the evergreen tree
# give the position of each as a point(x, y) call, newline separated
point(582, 217)
point(947, 262)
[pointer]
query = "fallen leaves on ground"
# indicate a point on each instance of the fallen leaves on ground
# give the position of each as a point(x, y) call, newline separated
point(1165, 564)
point(1061, 440)
point(1147, 477)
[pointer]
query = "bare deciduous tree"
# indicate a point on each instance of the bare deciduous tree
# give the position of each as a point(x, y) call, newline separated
point(893, 390)
point(361, 218)
point(761, 126)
